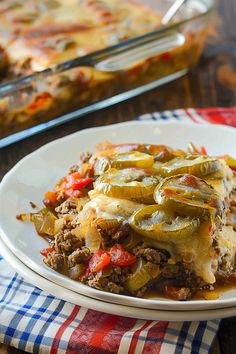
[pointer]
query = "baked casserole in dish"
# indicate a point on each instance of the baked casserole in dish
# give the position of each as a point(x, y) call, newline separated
point(58, 56)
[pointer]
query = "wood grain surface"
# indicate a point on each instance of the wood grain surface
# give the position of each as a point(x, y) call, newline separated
point(211, 83)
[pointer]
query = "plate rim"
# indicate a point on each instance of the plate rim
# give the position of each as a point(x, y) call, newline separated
point(56, 277)
point(110, 126)
point(114, 309)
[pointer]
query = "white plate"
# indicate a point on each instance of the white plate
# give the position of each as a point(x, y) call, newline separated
point(39, 171)
point(114, 309)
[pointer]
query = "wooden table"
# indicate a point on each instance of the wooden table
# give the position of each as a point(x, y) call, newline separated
point(212, 83)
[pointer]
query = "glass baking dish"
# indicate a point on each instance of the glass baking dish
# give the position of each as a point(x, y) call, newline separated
point(41, 100)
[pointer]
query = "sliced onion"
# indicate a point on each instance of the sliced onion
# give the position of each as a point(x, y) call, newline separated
point(93, 238)
point(81, 203)
point(76, 271)
point(107, 224)
point(80, 231)
point(58, 225)
point(26, 217)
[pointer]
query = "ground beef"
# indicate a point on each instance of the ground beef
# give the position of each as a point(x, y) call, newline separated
point(115, 234)
point(103, 283)
point(75, 168)
point(111, 281)
point(179, 276)
point(114, 288)
point(141, 291)
point(171, 271)
point(121, 232)
point(106, 239)
point(231, 218)
point(79, 256)
point(151, 254)
point(54, 260)
point(233, 198)
point(67, 207)
point(119, 274)
point(65, 242)
point(85, 156)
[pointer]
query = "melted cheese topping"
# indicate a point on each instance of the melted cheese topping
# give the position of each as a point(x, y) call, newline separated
point(110, 208)
point(223, 181)
point(52, 31)
point(197, 251)
point(227, 246)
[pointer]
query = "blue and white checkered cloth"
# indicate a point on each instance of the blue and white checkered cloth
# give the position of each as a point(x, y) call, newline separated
point(37, 322)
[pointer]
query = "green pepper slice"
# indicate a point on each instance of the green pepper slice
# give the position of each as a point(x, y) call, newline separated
point(140, 277)
point(188, 195)
point(130, 183)
point(155, 222)
point(192, 164)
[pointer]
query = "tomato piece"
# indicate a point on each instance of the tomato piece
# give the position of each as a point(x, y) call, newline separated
point(165, 56)
point(70, 180)
point(74, 181)
point(174, 292)
point(82, 78)
point(87, 270)
point(135, 70)
point(202, 150)
point(50, 198)
point(121, 257)
point(210, 228)
point(40, 101)
point(45, 251)
point(99, 260)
